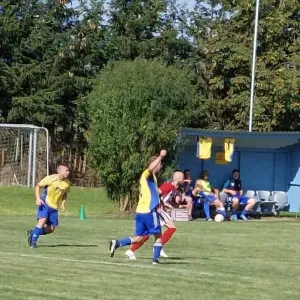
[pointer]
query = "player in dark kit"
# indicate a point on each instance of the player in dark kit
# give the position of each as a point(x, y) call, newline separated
point(233, 188)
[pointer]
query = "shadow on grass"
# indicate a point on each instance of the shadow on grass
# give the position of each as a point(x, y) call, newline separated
point(169, 261)
point(163, 258)
point(164, 262)
point(67, 245)
point(176, 258)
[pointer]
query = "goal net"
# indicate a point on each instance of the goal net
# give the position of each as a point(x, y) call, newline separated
point(24, 153)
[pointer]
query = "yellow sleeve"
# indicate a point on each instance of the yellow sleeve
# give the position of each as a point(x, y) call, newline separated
point(45, 181)
point(68, 187)
point(146, 173)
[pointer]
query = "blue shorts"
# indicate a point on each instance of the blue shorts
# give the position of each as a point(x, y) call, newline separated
point(242, 199)
point(45, 211)
point(147, 224)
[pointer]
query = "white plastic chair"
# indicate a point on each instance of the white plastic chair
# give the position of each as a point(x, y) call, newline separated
point(267, 205)
point(273, 193)
point(250, 194)
point(263, 195)
point(223, 197)
point(281, 201)
point(278, 192)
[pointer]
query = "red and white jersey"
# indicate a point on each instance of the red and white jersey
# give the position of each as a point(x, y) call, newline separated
point(166, 188)
point(166, 192)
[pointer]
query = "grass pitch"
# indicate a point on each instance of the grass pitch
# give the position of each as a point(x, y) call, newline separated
point(242, 260)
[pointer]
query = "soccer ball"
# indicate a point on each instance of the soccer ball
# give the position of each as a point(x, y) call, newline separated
point(219, 218)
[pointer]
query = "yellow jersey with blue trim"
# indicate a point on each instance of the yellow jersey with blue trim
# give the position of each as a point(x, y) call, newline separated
point(54, 190)
point(149, 196)
point(206, 186)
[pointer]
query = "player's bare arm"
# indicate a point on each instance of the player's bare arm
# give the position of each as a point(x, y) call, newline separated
point(38, 200)
point(198, 188)
point(231, 192)
point(63, 203)
point(214, 190)
point(187, 180)
point(154, 164)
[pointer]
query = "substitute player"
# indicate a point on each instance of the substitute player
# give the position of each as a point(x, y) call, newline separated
point(167, 192)
point(234, 190)
point(209, 194)
point(147, 211)
point(55, 188)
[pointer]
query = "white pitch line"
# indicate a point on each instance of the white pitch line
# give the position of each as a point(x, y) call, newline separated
point(158, 268)
point(132, 264)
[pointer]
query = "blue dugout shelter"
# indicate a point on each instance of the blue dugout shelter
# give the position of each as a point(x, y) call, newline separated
point(266, 160)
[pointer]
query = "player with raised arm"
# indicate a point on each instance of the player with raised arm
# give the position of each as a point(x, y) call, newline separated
point(167, 192)
point(147, 212)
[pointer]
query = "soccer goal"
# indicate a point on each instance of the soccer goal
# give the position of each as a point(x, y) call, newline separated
point(24, 154)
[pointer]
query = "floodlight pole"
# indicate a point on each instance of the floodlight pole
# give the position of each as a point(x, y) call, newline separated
point(253, 65)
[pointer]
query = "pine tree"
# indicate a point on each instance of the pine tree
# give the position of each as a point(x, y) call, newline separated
point(146, 29)
point(52, 60)
point(15, 23)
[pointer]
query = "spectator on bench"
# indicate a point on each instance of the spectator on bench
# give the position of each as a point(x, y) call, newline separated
point(173, 194)
point(233, 188)
point(182, 200)
point(187, 183)
point(209, 194)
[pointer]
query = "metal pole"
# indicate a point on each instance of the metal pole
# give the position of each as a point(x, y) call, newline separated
point(47, 148)
point(21, 156)
point(17, 146)
point(34, 157)
point(253, 65)
point(29, 159)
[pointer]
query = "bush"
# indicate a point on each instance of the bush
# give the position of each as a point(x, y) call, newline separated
point(136, 109)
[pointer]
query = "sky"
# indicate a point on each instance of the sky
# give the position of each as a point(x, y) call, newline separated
point(190, 3)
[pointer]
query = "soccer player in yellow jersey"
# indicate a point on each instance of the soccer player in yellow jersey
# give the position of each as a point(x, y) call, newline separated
point(209, 194)
point(147, 212)
point(55, 188)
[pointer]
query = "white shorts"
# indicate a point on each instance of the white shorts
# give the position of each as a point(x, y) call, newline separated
point(164, 217)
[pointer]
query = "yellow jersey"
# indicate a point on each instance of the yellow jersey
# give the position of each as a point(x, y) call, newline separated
point(206, 186)
point(204, 146)
point(229, 149)
point(149, 196)
point(54, 190)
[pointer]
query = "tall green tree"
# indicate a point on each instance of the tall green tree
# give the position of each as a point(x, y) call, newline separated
point(146, 29)
point(136, 109)
point(226, 57)
point(15, 24)
point(52, 52)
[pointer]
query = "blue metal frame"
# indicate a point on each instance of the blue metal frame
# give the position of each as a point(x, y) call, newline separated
point(243, 149)
point(240, 134)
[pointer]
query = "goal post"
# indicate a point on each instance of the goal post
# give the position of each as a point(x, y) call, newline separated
point(24, 154)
